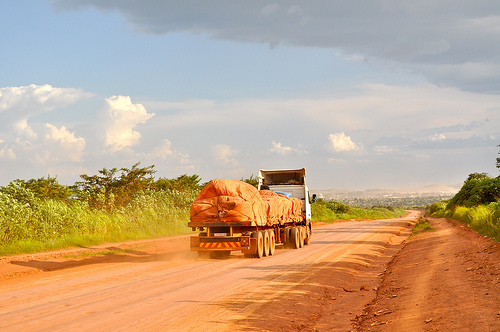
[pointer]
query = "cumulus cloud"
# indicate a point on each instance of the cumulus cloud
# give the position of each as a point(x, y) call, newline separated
point(339, 142)
point(425, 36)
point(72, 147)
point(19, 104)
point(7, 153)
point(281, 149)
point(120, 118)
point(225, 155)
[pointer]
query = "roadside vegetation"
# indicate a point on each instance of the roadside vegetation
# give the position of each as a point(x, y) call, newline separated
point(423, 225)
point(113, 205)
point(324, 210)
point(476, 204)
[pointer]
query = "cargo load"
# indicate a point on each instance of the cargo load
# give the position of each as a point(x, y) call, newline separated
point(281, 208)
point(229, 201)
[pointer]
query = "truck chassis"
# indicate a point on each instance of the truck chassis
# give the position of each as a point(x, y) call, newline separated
point(219, 239)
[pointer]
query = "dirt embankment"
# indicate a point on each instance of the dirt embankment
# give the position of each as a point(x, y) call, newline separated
point(446, 280)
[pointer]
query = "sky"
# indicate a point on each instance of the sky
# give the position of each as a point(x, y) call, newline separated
point(363, 93)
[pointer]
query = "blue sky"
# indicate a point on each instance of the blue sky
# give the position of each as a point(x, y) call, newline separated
point(364, 94)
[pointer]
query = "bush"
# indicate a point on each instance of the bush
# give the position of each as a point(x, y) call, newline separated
point(478, 189)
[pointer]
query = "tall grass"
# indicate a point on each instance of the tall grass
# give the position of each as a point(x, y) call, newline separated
point(29, 224)
point(485, 219)
point(330, 211)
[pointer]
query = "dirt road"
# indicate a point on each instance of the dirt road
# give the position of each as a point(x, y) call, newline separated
point(444, 280)
point(161, 285)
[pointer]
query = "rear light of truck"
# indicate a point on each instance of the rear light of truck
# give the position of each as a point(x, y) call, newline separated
point(245, 242)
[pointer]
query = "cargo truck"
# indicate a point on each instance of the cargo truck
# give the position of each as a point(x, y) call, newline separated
point(236, 216)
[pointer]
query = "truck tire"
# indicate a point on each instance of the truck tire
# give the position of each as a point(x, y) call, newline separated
point(295, 238)
point(260, 244)
point(307, 239)
point(272, 242)
point(288, 241)
point(265, 235)
point(302, 233)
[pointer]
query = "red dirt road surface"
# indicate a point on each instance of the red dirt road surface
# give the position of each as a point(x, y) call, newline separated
point(334, 284)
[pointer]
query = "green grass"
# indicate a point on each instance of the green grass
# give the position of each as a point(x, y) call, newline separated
point(333, 211)
point(485, 219)
point(423, 225)
point(29, 225)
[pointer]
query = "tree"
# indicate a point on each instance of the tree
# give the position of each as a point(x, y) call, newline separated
point(253, 180)
point(498, 159)
point(45, 188)
point(117, 186)
point(182, 183)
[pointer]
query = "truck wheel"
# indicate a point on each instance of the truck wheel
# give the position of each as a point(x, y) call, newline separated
point(302, 233)
point(272, 242)
point(260, 244)
point(265, 235)
point(288, 239)
point(295, 238)
point(307, 239)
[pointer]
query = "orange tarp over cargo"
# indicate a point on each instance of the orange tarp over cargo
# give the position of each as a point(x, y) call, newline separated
point(281, 209)
point(229, 201)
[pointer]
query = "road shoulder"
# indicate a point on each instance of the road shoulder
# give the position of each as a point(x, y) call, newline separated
point(448, 279)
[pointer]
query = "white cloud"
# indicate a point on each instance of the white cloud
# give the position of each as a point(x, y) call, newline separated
point(280, 149)
point(337, 161)
point(163, 151)
point(120, 118)
point(70, 147)
point(339, 142)
point(7, 153)
point(225, 155)
point(19, 104)
point(382, 149)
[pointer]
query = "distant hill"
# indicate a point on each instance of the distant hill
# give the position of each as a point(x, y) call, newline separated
point(433, 190)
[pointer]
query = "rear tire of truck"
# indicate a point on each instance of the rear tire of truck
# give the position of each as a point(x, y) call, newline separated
point(272, 242)
point(260, 244)
point(302, 233)
point(265, 235)
point(295, 238)
point(288, 239)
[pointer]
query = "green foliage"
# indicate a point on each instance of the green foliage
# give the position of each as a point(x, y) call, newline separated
point(438, 207)
point(485, 219)
point(31, 224)
point(478, 189)
point(423, 225)
point(331, 210)
point(114, 205)
point(183, 183)
point(49, 187)
point(476, 204)
point(253, 180)
point(498, 160)
point(114, 187)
